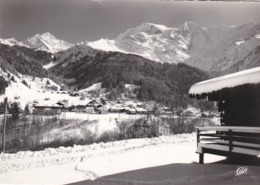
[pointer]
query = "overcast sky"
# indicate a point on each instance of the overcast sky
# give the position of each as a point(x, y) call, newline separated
point(77, 20)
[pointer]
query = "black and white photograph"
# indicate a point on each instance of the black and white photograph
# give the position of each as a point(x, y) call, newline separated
point(130, 92)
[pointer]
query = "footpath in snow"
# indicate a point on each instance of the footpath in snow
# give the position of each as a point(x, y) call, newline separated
point(65, 165)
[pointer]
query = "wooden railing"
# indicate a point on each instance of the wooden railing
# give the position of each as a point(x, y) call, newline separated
point(228, 141)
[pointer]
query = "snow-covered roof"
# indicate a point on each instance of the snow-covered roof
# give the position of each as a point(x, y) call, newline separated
point(47, 104)
point(250, 76)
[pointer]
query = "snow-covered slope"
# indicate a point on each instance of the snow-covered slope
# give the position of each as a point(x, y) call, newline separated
point(46, 42)
point(155, 42)
point(27, 89)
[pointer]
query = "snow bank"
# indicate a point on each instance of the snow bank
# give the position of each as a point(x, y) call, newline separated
point(70, 164)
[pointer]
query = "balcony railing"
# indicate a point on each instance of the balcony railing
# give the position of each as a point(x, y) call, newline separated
point(228, 141)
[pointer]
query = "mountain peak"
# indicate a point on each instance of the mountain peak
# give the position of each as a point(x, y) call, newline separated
point(152, 25)
point(44, 36)
point(150, 28)
point(147, 28)
point(46, 42)
point(47, 35)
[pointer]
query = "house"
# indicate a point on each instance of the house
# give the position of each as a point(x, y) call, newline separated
point(238, 100)
point(90, 110)
point(102, 109)
point(93, 103)
point(149, 106)
point(237, 96)
point(117, 109)
point(84, 109)
point(131, 111)
point(140, 110)
point(47, 108)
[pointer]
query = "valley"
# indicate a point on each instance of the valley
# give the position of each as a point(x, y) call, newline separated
point(143, 75)
point(124, 92)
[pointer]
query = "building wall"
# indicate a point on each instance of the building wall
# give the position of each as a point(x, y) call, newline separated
point(240, 106)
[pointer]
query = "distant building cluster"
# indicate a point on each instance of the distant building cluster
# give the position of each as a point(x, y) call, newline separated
point(93, 106)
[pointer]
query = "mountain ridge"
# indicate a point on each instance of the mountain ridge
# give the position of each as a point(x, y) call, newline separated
point(189, 43)
point(210, 49)
point(44, 42)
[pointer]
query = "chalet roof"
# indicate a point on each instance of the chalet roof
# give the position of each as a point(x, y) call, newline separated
point(47, 106)
point(251, 76)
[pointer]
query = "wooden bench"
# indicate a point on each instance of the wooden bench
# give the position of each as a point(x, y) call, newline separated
point(228, 141)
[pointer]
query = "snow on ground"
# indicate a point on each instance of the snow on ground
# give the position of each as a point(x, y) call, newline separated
point(66, 165)
point(49, 65)
point(98, 124)
point(240, 42)
point(38, 91)
point(94, 87)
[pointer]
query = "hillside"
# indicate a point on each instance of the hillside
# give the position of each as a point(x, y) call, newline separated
point(17, 59)
point(157, 81)
point(251, 60)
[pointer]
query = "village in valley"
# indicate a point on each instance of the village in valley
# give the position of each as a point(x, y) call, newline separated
point(114, 92)
point(92, 100)
point(49, 98)
point(44, 114)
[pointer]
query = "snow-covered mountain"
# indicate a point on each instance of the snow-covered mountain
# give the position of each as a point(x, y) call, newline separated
point(10, 42)
point(211, 49)
point(43, 42)
point(152, 41)
point(46, 42)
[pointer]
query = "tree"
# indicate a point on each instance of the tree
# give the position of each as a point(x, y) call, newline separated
point(48, 82)
point(15, 110)
point(26, 110)
point(2, 107)
point(3, 85)
point(25, 83)
point(121, 87)
point(12, 78)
